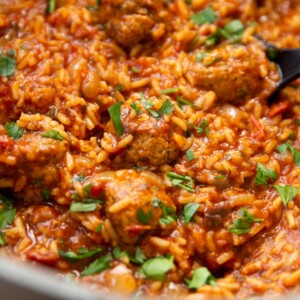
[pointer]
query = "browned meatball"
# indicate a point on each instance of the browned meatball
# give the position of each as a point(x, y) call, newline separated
point(129, 21)
point(236, 73)
point(153, 142)
point(135, 202)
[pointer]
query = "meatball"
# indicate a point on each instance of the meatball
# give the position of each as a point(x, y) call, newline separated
point(135, 202)
point(153, 138)
point(236, 73)
point(129, 21)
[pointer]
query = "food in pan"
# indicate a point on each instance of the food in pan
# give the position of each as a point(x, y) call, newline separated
point(139, 151)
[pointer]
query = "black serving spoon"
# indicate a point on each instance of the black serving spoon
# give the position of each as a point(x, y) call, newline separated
point(288, 62)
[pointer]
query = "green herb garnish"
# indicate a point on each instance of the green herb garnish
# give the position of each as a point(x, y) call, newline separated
point(13, 130)
point(136, 108)
point(190, 155)
point(286, 192)
point(189, 211)
point(296, 154)
point(169, 91)
point(203, 127)
point(115, 115)
point(182, 181)
point(97, 266)
point(263, 175)
point(143, 217)
point(7, 63)
point(81, 253)
point(53, 134)
point(208, 15)
point(201, 276)
point(156, 268)
point(166, 108)
point(242, 224)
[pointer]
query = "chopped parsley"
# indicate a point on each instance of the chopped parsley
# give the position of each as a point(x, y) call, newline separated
point(208, 15)
point(296, 154)
point(169, 91)
point(220, 176)
point(81, 253)
point(79, 178)
point(190, 155)
point(200, 56)
point(115, 115)
point(201, 276)
point(156, 268)
point(51, 6)
point(286, 192)
point(242, 224)
point(7, 215)
point(182, 181)
point(53, 134)
point(189, 211)
point(136, 108)
point(233, 28)
point(83, 207)
point(45, 193)
point(87, 189)
point(97, 266)
point(181, 100)
point(263, 175)
point(135, 70)
point(13, 130)
point(143, 217)
point(7, 63)
point(166, 108)
point(139, 256)
point(203, 127)
point(169, 216)
point(99, 227)
point(117, 253)
point(120, 88)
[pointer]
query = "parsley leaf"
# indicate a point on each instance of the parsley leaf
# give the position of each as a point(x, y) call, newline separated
point(139, 257)
point(166, 108)
point(169, 91)
point(190, 155)
point(135, 70)
point(156, 268)
point(168, 212)
point(115, 115)
point(136, 108)
point(182, 181)
point(7, 63)
point(263, 174)
point(296, 154)
point(51, 6)
point(45, 193)
point(203, 127)
point(286, 192)
point(53, 134)
point(143, 217)
point(117, 253)
point(208, 15)
point(79, 178)
point(242, 224)
point(86, 206)
point(7, 215)
point(97, 266)
point(13, 130)
point(201, 276)
point(119, 88)
point(82, 253)
point(189, 211)
point(181, 100)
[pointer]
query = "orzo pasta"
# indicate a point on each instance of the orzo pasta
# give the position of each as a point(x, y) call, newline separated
point(138, 150)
